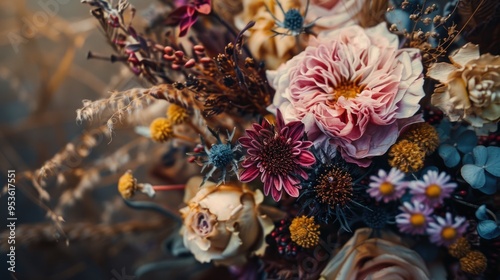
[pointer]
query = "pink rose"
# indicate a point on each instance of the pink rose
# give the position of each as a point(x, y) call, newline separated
point(353, 87)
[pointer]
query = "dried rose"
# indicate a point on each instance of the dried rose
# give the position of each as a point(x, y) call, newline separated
point(223, 224)
point(470, 87)
point(363, 257)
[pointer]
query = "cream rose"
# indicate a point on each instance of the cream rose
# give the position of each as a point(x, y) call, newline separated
point(223, 224)
point(363, 257)
point(470, 87)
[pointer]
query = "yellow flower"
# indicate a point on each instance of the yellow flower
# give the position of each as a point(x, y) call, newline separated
point(406, 156)
point(177, 114)
point(127, 185)
point(161, 129)
point(470, 87)
point(424, 135)
point(474, 263)
point(304, 231)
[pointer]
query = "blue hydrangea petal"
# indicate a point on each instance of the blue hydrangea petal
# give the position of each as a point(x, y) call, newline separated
point(488, 229)
point(480, 155)
point(449, 154)
point(493, 161)
point(473, 175)
point(467, 159)
point(466, 141)
point(481, 213)
point(490, 185)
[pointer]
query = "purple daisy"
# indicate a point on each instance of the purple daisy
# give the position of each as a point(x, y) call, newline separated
point(387, 187)
point(278, 154)
point(446, 231)
point(415, 217)
point(433, 188)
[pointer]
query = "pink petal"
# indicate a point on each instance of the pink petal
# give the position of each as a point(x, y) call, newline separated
point(249, 174)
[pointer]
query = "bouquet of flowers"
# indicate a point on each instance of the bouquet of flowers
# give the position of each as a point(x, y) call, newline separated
point(318, 139)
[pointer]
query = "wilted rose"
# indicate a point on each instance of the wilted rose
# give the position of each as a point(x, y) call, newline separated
point(363, 257)
point(223, 224)
point(470, 87)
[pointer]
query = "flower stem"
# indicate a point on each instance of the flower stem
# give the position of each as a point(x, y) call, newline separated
point(169, 187)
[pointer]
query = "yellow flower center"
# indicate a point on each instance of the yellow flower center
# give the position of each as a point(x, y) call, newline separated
point(433, 191)
point(347, 89)
point(304, 231)
point(386, 188)
point(448, 233)
point(417, 220)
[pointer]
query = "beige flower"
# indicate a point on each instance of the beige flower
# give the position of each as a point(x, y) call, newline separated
point(274, 50)
point(334, 14)
point(223, 224)
point(363, 257)
point(470, 87)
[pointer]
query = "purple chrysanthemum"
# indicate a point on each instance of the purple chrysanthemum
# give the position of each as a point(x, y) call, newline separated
point(446, 231)
point(433, 188)
point(387, 186)
point(278, 154)
point(415, 217)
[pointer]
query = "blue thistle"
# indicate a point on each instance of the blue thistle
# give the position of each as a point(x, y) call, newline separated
point(220, 156)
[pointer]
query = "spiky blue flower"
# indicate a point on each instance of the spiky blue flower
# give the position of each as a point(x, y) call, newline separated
point(220, 156)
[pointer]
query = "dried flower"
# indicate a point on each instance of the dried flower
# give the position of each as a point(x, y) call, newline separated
point(127, 185)
point(331, 15)
point(364, 257)
point(187, 14)
point(304, 231)
point(274, 50)
point(474, 263)
point(278, 154)
point(406, 156)
point(460, 248)
point(354, 87)
point(161, 130)
point(470, 87)
point(328, 193)
point(219, 156)
point(423, 134)
point(177, 114)
point(223, 224)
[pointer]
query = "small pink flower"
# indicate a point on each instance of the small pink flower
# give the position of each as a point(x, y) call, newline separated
point(387, 187)
point(278, 154)
point(354, 87)
point(433, 189)
point(446, 231)
point(415, 217)
point(187, 14)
